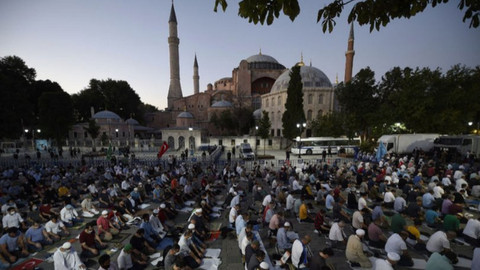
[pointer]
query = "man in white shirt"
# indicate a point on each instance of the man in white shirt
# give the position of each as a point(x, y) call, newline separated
point(460, 182)
point(337, 235)
point(446, 180)
point(289, 203)
point(55, 228)
point(362, 201)
point(396, 244)
point(67, 258)
point(12, 219)
point(438, 191)
point(235, 200)
point(296, 187)
point(233, 215)
point(387, 264)
point(388, 199)
point(268, 198)
point(299, 252)
point(471, 233)
point(69, 216)
point(440, 241)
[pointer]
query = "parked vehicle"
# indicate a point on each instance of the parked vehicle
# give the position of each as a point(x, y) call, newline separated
point(316, 145)
point(461, 144)
point(246, 151)
point(406, 143)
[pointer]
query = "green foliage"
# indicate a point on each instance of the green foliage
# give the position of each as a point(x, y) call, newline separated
point(93, 129)
point(112, 95)
point(329, 125)
point(264, 125)
point(16, 84)
point(236, 121)
point(56, 115)
point(375, 13)
point(359, 99)
point(294, 113)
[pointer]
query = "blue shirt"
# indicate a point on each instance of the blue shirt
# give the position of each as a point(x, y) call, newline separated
point(239, 224)
point(329, 201)
point(377, 212)
point(11, 242)
point(282, 239)
point(430, 216)
point(149, 231)
point(428, 200)
point(36, 235)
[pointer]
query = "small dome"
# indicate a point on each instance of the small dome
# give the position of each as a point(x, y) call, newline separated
point(257, 114)
point(106, 115)
point(312, 78)
point(185, 115)
point(222, 104)
point(132, 122)
point(261, 58)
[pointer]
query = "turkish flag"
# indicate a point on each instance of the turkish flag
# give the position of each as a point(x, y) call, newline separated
point(163, 149)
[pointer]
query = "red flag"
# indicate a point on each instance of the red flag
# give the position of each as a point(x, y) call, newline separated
point(163, 149)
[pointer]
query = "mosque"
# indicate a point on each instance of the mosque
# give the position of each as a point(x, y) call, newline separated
point(259, 82)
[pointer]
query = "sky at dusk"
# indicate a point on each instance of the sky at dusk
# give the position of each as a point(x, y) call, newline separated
point(71, 42)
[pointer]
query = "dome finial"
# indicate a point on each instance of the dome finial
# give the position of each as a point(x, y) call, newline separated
point(310, 62)
point(301, 63)
point(336, 79)
point(260, 51)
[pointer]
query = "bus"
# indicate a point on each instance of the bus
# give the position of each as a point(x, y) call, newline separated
point(316, 145)
point(458, 144)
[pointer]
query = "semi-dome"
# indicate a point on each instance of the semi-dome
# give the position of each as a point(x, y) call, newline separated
point(222, 104)
point(185, 115)
point(261, 58)
point(132, 122)
point(312, 77)
point(106, 115)
point(257, 114)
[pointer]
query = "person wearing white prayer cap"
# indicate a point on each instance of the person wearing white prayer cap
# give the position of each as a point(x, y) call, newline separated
point(354, 251)
point(65, 257)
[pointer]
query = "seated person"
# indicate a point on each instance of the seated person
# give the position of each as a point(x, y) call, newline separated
point(320, 225)
point(13, 219)
point(105, 227)
point(471, 233)
point(141, 247)
point(284, 240)
point(126, 261)
point(37, 237)
point(90, 242)
point(88, 208)
point(35, 216)
point(438, 261)
point(12, 245)
point(67, 258)
point(303, 214)
point(56, 229)
point(414, 235)
point(354, 251)
point(396, 244)
point(432, 217)
point(187, 248)
point(377, 238)
point(69, 216)
point(337, 235)
point(440, 241)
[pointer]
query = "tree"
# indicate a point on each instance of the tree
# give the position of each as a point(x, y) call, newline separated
point(264, 126)
point(329, 125)
point(359, 100)
point(16, 82)
point(113, 95)
point(56, 115)
point(294, 113)
point(376, 13)
point(93, 130)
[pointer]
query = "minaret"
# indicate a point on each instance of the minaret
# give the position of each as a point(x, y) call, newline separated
point(349, 56)
point(196, 78)
point(175, 89)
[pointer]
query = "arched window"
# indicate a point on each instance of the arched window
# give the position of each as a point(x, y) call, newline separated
point(320, 113)
point(310, 98)
point(272, 119)
point(279, 100)
point(309, 115)
point(320, 99)
point(266, 102)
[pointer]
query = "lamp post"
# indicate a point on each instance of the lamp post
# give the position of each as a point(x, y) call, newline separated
point(33, 135)
point(299, 138)
point(116, 136)
point(256, 144)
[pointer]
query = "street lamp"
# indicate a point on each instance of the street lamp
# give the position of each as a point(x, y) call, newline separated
point(33, 135)
point(116, 136)
point(299, 138)
point(256, 144)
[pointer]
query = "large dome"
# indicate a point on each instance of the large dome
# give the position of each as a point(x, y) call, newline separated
point(106, 115)
point(312, 77)
point(261, 58)
point(185, 115)
point(222, 104)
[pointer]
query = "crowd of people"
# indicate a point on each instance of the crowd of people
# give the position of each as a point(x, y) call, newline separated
point(380, 205)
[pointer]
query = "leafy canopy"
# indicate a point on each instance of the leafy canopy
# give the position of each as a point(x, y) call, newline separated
point(375, 13)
